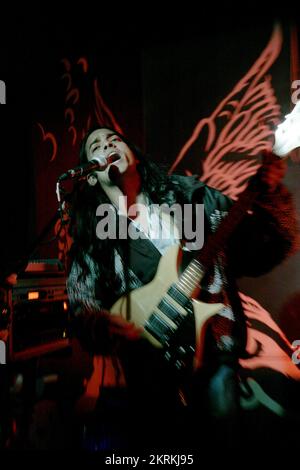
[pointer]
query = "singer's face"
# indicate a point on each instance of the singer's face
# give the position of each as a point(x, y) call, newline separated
point(104, 143)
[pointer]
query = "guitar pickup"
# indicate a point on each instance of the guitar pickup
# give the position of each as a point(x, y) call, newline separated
point(159, 328)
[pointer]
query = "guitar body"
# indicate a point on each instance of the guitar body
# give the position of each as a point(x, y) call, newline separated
point(141, 303)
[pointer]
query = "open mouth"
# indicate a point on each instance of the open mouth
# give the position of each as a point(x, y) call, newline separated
point(113, 157)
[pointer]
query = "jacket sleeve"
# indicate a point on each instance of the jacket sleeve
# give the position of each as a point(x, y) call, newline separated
point(264, 237)
point(270, 235)
point(89, 319)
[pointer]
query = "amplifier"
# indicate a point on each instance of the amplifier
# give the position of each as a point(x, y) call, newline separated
point(39, 314)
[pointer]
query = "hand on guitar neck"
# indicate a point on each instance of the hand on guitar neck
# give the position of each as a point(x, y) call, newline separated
point(286, 139)
point(287, 134)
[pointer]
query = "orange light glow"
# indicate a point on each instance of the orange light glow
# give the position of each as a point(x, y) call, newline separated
point(33, 295)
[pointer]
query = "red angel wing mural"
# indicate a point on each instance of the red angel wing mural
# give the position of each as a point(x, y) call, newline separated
point(270, 367)
point(78, 119)
point(267, 345)
point(76, 116)
point(242, 124)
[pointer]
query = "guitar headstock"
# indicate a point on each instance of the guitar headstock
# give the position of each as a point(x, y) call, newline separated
point(287, 134)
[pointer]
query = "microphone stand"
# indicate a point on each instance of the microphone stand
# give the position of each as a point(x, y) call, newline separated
point(21, 264)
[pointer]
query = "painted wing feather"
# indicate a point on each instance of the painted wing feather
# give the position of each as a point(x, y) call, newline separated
point(242, 124)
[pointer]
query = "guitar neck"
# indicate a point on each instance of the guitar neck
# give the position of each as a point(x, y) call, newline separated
point(192, 275)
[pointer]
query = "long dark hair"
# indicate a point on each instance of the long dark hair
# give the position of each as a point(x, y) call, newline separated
point(155, 184)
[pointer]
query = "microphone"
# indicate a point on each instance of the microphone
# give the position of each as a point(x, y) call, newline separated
point(96, 164)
